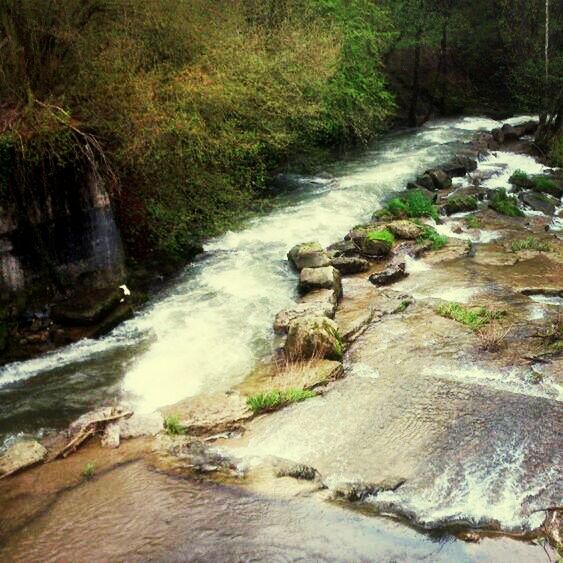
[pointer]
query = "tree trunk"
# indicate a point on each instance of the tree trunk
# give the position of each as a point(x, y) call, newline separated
point(415, 79)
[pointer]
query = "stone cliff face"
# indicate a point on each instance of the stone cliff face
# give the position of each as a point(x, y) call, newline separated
point(59, 234)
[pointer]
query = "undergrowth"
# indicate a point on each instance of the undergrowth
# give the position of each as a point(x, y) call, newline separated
point(430, 234)
point(505, 204)
point(530, 243)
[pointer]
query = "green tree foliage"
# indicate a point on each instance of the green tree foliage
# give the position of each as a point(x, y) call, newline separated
point(194, 102)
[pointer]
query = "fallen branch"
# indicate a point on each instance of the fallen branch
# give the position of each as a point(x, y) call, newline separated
point(89, 430)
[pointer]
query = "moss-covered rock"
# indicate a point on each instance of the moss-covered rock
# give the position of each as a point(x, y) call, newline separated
point(460, 204)
point(308, 255)
point(313, 337)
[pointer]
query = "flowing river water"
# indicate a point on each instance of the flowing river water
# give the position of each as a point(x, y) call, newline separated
point(203, 334)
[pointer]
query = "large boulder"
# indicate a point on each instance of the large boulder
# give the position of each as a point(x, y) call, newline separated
point(350, 264)
point(343, 248)
point(460, 165)
point(539, 202)
point(311, 279)
point(21, 455)
point(313, 337)
point(308, 255)
point(460, 204)
point(314, 309)
point(510, 133)
point(88, 308)
point(440, 179)
point(368, 246)
point(406, 230)
point(425, 181)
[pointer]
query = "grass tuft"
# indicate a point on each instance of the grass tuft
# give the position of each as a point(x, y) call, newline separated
point(89, 470)
point(272, 400)
point(173, 426)
point(530, 243)
point(414, 204)
point(473, 317)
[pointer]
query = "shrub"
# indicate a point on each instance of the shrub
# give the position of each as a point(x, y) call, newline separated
point(473, 317)
point(519, 175)
point(504, 204)
point(272, 400)
point(530, 243)
point(173, 426)
point(430, 234)
point(492, 336)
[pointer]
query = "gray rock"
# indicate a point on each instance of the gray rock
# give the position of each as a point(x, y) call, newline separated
point(539, 202)
point(350, 264)
point(393, 273)
point(343, 248)
point(460, 165)
point(148, 424)
point(308, 255)
point(425, 181)
point(311, 279)
point(440, 179)
point(405, 229)
point(314, 309)
point(369, 247)
point(21, 455)
point(110, 438)
point(313, 337)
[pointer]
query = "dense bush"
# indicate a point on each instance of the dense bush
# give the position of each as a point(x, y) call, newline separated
point(194, 102)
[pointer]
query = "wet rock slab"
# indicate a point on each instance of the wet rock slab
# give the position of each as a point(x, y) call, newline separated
point(20, 456)
point(210, 414)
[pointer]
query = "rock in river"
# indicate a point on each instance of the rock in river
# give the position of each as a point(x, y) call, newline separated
point(393, 273)
point(311, 337)
point(21, 455)
point(308, 255)
point(311, 279)
point(350, 264)
point(314, 309)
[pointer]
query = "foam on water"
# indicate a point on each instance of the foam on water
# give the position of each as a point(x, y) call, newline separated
point(479, 491)
point(504, 164)
point(515, 380)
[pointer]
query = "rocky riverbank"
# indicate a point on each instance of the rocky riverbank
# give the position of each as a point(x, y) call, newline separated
point(423, 341)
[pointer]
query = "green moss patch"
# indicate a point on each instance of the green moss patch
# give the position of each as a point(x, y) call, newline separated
point(430, 234)
point(414, 204)
point(384, 235)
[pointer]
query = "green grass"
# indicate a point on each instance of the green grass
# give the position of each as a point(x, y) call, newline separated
point(272, 400)
point(530, 243)
point(473, 317)
point(519, 175)
point(473, 222)
point(173, 426)
point(384, 235)
point(88, 471)
point(414, 204)
point(505, 204)
point(430, 234)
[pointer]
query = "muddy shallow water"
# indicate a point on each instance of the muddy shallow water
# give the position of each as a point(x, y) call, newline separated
point(135, 514)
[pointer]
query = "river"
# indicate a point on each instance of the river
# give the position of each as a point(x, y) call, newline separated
point(203, 334)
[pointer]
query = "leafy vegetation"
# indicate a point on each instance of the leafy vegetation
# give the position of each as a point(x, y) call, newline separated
point(519, 176)
point(530, 243)
point(430, 234)
point(505, 204)
point(413, 204)
point(173, 426)
point(546, 185)
point(194, 102)
point(473, 222)
point(272, 400)
point(473, 317)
